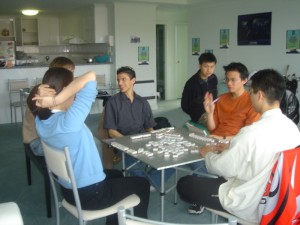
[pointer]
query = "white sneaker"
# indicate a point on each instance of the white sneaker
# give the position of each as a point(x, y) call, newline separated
point(195, 209)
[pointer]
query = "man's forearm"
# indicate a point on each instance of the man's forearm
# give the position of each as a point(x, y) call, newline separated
point(114, 133)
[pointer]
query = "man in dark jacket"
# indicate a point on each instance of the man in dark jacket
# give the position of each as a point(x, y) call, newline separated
point(195, 88)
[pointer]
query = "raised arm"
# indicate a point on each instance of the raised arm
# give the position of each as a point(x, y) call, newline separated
point(69, 91)
point(209, 107)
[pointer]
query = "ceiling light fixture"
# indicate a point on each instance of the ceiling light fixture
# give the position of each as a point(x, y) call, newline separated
point(30, 12)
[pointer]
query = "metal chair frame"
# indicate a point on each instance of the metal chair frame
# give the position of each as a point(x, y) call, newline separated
point(14, 86)
point(60, 167)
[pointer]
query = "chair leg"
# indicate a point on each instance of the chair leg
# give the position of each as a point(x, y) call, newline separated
point(175, 191)
point(11, 119)
point(15, 108)
point(47, 194)
point(28, 169)
point(214, 217)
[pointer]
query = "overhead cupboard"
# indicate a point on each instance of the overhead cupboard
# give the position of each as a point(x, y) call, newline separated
point(37, 31)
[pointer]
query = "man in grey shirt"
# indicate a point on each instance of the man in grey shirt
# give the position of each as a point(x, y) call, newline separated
point(127, 113)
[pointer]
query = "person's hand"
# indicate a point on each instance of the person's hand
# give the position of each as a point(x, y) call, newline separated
point(206, 149)
point(216, 136)
point(218, 148)
point(45, 90)
point(44, 102)
point(209, 106)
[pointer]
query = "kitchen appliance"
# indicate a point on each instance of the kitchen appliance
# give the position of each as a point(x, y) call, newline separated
point(7, 53)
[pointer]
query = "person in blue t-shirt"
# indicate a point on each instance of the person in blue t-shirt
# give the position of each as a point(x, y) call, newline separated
point(60, 122)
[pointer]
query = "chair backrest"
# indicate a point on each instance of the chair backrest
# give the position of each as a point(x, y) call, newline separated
point(38, 80)
point(14, 85)
point(279, 202)
point(127, 219)
point(59, 167)
point(100, 80)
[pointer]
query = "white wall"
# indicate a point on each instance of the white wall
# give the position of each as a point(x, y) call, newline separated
point(206, 20)
point(134, 19)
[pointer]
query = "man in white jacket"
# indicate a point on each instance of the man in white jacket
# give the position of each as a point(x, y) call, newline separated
point(244, 166)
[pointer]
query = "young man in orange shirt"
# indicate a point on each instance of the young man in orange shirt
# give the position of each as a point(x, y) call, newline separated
point(233, 110)
point(228, 113)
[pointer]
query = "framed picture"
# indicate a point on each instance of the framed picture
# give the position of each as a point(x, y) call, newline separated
point(143, 55)
point(195, 46)
point(254, 29)
point(135, 39)
point(224, 38)
point(292, 41)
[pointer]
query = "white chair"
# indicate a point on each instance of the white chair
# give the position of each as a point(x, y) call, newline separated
point(127, 219)
point(216, 213)
point(60, 167)
point(10, 214)
point(14, 86)
point(100, 80)
point(38, 80)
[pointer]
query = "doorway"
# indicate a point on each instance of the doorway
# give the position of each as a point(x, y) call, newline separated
point(160, 60)
point(181, 57)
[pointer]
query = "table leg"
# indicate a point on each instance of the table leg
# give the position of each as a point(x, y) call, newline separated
point(162, 195)
point(123, 164)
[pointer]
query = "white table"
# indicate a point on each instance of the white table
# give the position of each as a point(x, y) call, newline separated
point(156, 158)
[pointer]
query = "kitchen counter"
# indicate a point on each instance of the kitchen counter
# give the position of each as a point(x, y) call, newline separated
point(33, 72)
point(44, 64)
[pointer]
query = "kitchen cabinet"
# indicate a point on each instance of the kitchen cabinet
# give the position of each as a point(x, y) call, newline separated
point(48, 30)
point(27, 31)
point(7, 29)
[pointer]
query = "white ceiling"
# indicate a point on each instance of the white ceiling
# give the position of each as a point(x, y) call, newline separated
point(13, 7)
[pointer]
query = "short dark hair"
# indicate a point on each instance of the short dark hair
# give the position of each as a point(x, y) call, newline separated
point(62, 61)
point(127, 69)
point(239, 67)
point(207, 57)
point(270, 82)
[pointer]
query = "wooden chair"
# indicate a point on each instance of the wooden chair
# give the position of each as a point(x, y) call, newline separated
point(40, 163)
point(59, 166)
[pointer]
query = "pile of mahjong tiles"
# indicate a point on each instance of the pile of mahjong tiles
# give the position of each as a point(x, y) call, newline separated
point(168, 143)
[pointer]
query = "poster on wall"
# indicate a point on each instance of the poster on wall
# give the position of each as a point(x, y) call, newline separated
point(292, 41)
point(195, 46)
point(254, 29)
point(209, 51)
point(143, 55)
point(224, 38)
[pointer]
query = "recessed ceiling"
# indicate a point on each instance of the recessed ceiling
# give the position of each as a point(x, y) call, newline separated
point(14, 7)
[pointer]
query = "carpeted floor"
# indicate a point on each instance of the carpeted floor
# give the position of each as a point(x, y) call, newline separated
point(31, 199)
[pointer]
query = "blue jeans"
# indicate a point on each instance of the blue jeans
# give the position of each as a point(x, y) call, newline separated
point(36, 147)
point(142, 170)
point(198, 167)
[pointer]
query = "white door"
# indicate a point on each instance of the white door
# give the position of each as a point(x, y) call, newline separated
point(181, 57)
